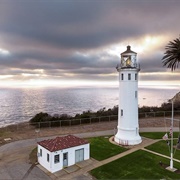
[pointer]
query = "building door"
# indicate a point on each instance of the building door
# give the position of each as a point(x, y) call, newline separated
point(65, 159)
point(79, 155)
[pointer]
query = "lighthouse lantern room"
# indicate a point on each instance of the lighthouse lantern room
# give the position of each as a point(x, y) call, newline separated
point(128, 126)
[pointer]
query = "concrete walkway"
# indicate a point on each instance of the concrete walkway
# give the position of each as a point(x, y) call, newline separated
point(95, 164)
point(16, 145)
point(15, 155)
point(160, 154)
point(83, 172)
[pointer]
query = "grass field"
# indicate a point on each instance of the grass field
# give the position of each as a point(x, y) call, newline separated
point(156, 135)
point(102, 149)
point(138, 165)
point(163, 148)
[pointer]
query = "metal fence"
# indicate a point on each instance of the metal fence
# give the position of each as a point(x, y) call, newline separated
point(72, 122)
point(158, 114)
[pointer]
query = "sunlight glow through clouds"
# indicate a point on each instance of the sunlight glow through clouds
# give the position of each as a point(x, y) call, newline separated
point(4, 52)
point(144, 44)
point(160, 73)
point(160, 84)
point(5, 76)
point(38, 83)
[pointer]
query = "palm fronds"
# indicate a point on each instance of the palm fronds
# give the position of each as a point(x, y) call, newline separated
point(171, 58)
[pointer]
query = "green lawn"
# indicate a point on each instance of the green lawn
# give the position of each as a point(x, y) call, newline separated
point(162, 148)
point(102, 149)
point(156, 135)
point(137, 165)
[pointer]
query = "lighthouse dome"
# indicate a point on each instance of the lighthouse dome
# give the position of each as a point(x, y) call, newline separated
point(128, 58)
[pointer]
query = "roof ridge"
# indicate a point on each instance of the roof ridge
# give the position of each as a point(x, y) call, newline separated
point(63, 142)
point(54, 143)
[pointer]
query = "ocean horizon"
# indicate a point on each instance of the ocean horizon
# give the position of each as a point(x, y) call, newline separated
point(21, 104)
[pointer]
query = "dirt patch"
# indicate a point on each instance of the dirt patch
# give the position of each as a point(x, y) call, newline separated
point(33, 156)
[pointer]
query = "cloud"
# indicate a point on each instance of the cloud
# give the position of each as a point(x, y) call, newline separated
point(83, 40)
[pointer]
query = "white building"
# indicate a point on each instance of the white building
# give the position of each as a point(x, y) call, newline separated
point(128, 126)
point(55, 154)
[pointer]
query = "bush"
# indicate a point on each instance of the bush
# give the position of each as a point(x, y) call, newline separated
point(41, 117)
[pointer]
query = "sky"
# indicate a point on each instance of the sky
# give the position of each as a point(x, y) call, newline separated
point(67, 43)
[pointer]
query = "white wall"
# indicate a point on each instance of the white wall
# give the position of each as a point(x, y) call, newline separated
point(43, 159)
point(128, 125)
point(51, 166)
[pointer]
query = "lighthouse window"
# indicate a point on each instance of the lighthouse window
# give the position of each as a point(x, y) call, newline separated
point(135, 76)
point(122, 76)
point(47, 157)
point(121, 112)
point(129, 76)
point(135, 94)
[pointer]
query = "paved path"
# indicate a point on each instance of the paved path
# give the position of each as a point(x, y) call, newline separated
point(160, 154)
point(83, 171)
point(14, 158)
point(16, 145)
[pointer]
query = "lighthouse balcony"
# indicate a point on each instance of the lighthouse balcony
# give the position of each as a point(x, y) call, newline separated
point(129, 66)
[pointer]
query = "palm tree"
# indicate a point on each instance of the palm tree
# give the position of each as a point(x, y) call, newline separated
point(171, 58)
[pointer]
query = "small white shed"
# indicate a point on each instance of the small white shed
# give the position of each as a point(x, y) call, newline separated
point(55, 154)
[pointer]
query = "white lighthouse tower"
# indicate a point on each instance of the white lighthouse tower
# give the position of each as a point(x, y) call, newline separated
point(128, 126)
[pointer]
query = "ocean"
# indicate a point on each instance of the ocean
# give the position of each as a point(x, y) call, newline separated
point(21, 104)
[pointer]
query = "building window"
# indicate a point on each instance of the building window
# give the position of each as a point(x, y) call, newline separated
point(41, 152)
point(135, 94)
point(47, 157)
point(122, 76)
point(56, 158)
point(135, 76)
point(129, 76)
point(121, 112)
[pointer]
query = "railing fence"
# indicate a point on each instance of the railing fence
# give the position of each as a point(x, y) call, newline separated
point(72, 122)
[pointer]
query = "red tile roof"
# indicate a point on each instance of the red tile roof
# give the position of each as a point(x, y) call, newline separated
point(60, 143)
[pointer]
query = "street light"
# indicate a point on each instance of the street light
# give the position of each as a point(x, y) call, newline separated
point(37, 131)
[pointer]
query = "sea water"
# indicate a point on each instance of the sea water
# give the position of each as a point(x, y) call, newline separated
point(21, 104)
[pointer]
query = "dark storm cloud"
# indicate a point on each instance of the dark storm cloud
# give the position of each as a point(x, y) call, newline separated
point(31, 31)
point(77, 24)
point(152, 63)
point(36, 60)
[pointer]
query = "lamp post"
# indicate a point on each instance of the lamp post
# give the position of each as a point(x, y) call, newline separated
point(37, 131)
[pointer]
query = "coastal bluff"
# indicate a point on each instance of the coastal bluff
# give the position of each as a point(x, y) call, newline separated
point(176, 98)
